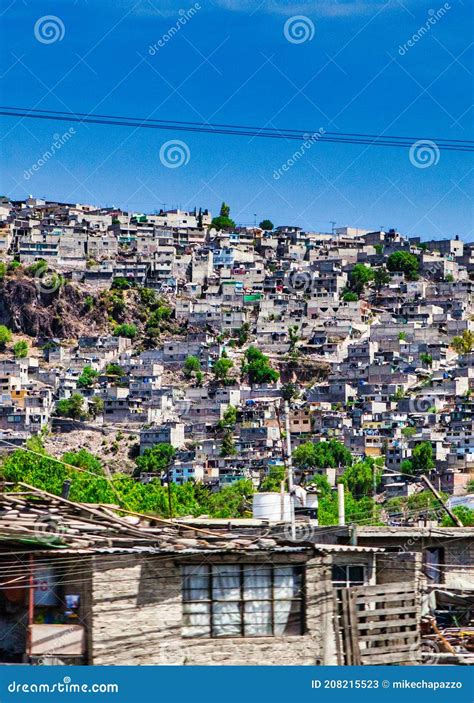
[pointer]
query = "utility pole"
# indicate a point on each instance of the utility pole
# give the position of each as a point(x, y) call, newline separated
point(374, 490)
point(289, 461)
point(341, 507)
point(452, 515)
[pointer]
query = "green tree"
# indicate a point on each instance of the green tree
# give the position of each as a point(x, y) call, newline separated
point(465, 514)
point(350, 297)
point(293, 335)
point(322, 484)
point(406, 467)
point(409, 431)
point(191, 366)
point(114, 370)
point(258, 367)
point(360, 277)
point(404, 262)
point(84, 460)
point(359, 478)
point(5, 336)
point(426, 359)
point(290, 391)
point(272, 481)
point(228, 419)
point(96, 406)
point(126, 330)
point(267, 225)
point(463, 344)
point(228, 446)
point(122, 283)
point(156, 459)
point(381, 278)
point(160, 314)
point(20, 349)
point(223, 222)
point(72, 407)
point(422, 458)
point(231, 501)
point(87, 378)
point(243, 334)
point(222, 367)
point(322, 455)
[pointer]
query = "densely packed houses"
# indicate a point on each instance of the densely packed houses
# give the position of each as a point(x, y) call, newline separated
point(368, 336)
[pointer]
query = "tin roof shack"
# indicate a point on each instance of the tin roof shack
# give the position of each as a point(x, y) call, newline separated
point(87, 586)
point(95, 584)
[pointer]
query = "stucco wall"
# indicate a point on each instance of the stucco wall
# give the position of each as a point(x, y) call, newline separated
point(137, 617)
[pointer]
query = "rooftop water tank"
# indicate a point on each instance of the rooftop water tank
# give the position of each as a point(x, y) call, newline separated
point(272, 506)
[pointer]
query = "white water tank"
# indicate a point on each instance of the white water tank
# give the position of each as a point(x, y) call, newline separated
point(312, 500)
point(272, 506)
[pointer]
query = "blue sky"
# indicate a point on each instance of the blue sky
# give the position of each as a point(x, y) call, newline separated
point(232, 62)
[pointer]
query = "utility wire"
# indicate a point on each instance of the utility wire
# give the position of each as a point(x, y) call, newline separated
point(235, 130)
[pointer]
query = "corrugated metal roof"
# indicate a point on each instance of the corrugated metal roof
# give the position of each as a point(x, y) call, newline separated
point(346, 548)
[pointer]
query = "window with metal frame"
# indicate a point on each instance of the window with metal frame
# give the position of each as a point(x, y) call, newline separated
point(346, 575)
point(242, 600)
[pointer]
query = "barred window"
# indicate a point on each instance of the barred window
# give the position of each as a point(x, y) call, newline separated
point(241, 600)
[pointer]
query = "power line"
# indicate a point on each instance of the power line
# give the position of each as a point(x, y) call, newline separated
point(236, 130)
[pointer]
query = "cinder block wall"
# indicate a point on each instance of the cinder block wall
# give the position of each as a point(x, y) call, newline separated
point(136, 616)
